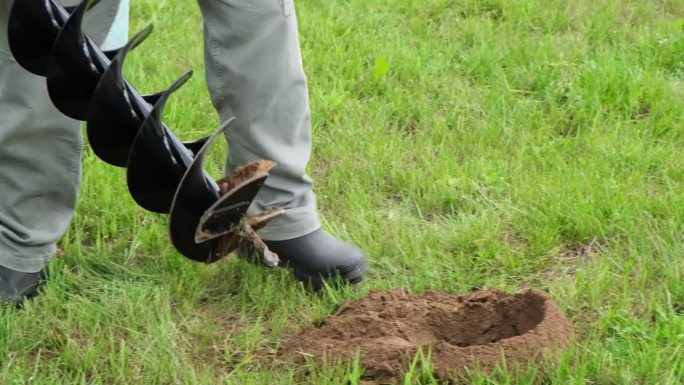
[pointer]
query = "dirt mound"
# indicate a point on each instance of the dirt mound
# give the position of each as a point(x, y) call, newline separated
point(388, 328)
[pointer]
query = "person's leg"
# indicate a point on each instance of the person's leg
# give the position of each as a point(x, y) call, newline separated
point(255, 73)
point(40, 153)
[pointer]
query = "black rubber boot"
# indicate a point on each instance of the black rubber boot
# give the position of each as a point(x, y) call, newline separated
point(318, 257)
point(16, 287)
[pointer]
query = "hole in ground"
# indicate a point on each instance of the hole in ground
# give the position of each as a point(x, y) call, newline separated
point(389, 327)
point(486, 319)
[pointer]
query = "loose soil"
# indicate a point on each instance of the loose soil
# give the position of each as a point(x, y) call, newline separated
point(462, 331)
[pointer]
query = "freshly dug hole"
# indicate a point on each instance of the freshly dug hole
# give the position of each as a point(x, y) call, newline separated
point(388, 328)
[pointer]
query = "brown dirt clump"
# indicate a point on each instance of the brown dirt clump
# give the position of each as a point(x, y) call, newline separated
point(462, 331)
point(243, 173)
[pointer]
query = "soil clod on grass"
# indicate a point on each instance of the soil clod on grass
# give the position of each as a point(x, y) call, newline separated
point(462, 331)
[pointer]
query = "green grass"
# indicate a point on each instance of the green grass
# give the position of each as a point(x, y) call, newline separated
point(460, 143)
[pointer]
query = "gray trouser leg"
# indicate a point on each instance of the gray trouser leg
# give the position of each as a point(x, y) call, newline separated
point(40, 153)
point(255, 73)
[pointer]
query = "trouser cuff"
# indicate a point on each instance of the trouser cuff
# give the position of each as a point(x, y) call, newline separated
point(294, 223)
point(33, 264)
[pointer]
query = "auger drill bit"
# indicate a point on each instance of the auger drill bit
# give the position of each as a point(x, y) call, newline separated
point(73, 49)
point(126, 129)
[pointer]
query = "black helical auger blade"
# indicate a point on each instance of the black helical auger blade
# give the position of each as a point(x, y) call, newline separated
point(154, 168)
point(74, 67)
point(115, 115)
point(191, 201)
point(32, 29)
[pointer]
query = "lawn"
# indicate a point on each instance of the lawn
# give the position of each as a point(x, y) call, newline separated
point(461, 143)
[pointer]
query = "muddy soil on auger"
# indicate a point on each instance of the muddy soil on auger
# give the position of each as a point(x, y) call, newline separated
point(463, 331)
